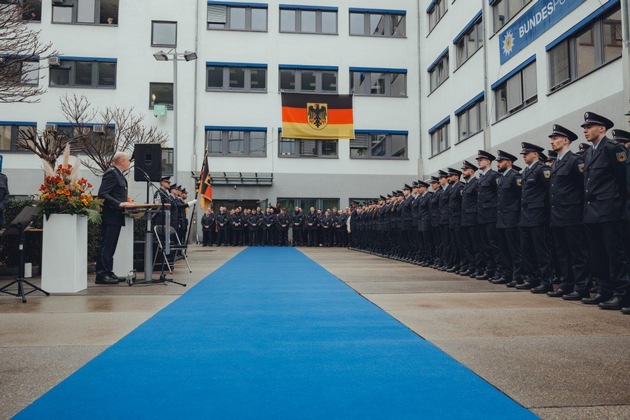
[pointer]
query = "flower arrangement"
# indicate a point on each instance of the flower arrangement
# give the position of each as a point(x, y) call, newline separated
point(64, 192)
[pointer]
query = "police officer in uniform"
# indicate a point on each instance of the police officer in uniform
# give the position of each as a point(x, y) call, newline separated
point(605, 193)
point(445, 257)
point(624, 137)
point(534, 221)
point(566, 193)
point(455, 220)
point(508, 215)
point(469, 229)
point(424, 223)
point(487, 214)
point(434, 209)
point(406, 224)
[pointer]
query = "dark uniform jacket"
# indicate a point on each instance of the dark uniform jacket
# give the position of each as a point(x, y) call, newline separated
point(534, 195)
point(487, 198)
point(444, 205)
point(508, 199)
point(566, 191)
point(469, 202)
point(415, 212)
point(283, 221)
point(434, 205)
point(298, 219)
point(207, 222)
point(604, 182)
point(113, 191)
point(222, 219)
point(311, 221)
point(455, 205)
point(406, 217)
point(424, 206)
point(4, 197)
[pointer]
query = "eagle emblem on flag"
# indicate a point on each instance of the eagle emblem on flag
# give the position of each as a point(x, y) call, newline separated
point(317, 114)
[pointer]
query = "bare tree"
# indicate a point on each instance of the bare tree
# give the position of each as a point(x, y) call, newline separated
point(21, 53)
point(100, 134)
point(48, 144)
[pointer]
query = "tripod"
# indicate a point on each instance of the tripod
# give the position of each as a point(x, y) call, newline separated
point(18, 226)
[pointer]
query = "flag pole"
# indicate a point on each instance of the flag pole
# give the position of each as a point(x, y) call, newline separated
point(194, 211)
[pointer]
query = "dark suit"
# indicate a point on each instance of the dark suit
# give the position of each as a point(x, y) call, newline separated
point(605, 192)
point(113, 191)
point(455, 224)
point(566, 192)
point(4, 197)
point(434, 206)
point(445, 256)
point(508, 214)
point(473, 253)
point(534, 223)
point(424, 227)
point(487, 218)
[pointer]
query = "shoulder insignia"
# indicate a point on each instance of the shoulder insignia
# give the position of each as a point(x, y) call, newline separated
point(519, 182)
point(581, 167)
point(498, 180)
point(547, 173)
point(621, 156)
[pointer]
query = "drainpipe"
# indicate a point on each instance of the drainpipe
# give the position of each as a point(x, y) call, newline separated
point(625, 25)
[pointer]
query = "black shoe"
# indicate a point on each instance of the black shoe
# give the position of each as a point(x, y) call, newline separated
point(451, 269)
point(625, 311)
point(513, 283)
point(556, 280)
point(105, 280)
point(542, 288)
point(525, 286)
point(613, 303)
point(557, 293)
point(502, 280)
point(594, 300)
point(482, 276)
point(575, 296)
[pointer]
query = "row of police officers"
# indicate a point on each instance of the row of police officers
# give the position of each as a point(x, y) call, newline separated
point(564, 218)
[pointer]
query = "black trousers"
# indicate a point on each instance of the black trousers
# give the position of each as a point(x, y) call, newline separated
point(109, 240)
point(572, 258)
point(428, 246)
point(297, 235)
point(457, 247)
point(607, 257)
point(445, 258)
point(510, 253)
point(222, 236)
point(437, 243)
point(473, 253)
point(488, 236)
point(536, 255)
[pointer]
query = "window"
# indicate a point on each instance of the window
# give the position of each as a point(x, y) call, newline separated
point(469, 41)
point(517, 90)
point(236, 77)
point(378, 82)
point(308, 19)
point(386, 23)
point(439, 136)
point(438, 71)
point(504, 10)
point(471, 118)
point(379, 145)
point(587, 49)
point(236, 141)
point(308, 79)
point(237, 17)
point(307, 148)
point(90, 137)
point(83, 72)
point(100, 12)
point(32, 9)
point(161, 94)
point(163, 34)
point(11, 132)
point(20, 70)
point(436, 10)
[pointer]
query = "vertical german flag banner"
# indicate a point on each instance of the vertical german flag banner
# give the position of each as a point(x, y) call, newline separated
point(317, 117)
point(205, 189)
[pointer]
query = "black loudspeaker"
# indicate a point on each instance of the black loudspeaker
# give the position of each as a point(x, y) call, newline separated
point(147, 162)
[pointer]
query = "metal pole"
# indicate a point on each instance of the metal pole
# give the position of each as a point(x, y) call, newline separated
point(174, 117)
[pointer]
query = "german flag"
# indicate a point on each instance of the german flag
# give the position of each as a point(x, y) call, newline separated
point(317, 117)
point(205, 188)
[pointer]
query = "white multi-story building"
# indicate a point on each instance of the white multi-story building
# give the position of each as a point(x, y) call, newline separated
point(229, 98)
point(433, 82)
point(499, 72)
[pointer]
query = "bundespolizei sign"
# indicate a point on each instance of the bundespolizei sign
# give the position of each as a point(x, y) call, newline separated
point(533, 23)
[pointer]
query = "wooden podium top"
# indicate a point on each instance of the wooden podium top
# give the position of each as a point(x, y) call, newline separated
point(149, 207)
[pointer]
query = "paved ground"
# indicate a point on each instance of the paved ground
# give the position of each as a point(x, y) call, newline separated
point(560, 359)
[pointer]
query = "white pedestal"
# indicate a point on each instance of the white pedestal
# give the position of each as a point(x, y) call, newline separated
point(123, 257)
point(64, 253)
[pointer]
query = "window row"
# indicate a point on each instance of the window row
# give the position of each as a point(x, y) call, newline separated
point(89, 136)
point(306, 203)
point(238, 17)
point(252, 142)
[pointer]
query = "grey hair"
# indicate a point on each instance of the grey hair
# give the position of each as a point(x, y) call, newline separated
point(119, 156)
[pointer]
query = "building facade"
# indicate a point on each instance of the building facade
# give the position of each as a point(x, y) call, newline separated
point(228, 100)
point(499, 72)
point(433, 81)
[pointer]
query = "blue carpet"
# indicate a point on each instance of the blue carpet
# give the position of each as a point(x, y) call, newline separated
point(271, 334)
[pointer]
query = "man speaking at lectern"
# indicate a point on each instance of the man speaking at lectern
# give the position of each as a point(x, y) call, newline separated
point(113, 191)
